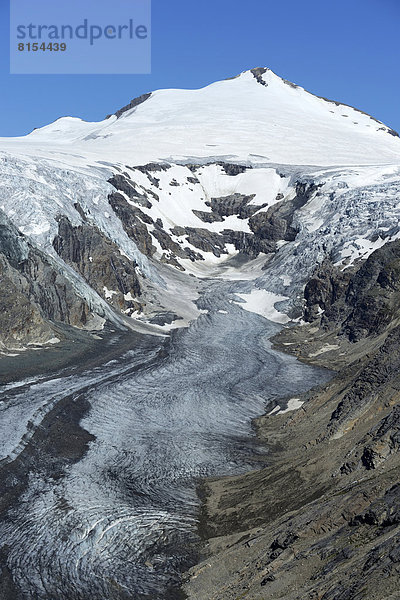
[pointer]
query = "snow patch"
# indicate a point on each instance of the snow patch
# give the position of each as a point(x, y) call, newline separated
point(293, 404)
point(263, 303)
point(326, 348)
point(109, 293)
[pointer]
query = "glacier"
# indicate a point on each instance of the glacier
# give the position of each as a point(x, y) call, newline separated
point(223, 201)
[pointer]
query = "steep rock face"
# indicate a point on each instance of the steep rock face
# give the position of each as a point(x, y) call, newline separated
point(277, 223)
point(203, 239)
point(378, 445)
point(384, 439)
point(374, 293)
point(236, 204)
point(123, 184)
point(323, 292)
point(33, 293)
point(100, 262)
point(21, 319)
point(134, 222)
point(380, 371)
point(54, 293)
point(361, 301)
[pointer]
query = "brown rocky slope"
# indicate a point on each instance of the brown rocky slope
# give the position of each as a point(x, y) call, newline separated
point(322, 521)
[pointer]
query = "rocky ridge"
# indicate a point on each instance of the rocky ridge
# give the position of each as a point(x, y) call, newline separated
point(34, 294)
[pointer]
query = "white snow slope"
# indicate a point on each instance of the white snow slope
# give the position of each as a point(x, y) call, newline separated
point(237, 118)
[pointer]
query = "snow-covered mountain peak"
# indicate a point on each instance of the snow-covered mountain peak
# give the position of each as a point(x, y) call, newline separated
point(256, 117)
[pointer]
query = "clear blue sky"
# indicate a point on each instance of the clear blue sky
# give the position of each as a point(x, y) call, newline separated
point(347, 50)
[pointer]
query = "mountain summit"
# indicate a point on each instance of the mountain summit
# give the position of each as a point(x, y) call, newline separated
point(256, 117)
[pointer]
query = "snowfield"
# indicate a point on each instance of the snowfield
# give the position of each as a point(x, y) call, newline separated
point(240, 118)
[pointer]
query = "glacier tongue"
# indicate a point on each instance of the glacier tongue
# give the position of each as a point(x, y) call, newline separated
point(117, 522)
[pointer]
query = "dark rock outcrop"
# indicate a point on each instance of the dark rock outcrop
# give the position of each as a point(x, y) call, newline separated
point(99, 261)
point(233, 169)
point(132, 104)
point(205, 240)
point(323, 290)
point(124, 184)
point(361, 301)
point(258, 72)
point(382, 441)
point(382, 369)
point(383, 512)
point(235, 204)
point(33, 293)
point(249, 243)
point(208, 217)
point(373, 294)
point(277, 222)
point(134, 222)
point(152, 168)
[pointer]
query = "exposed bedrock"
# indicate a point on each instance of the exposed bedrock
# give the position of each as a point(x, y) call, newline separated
point(134, 222)
point(33, 293)
point(276, 223)
point(382, 440)
point(361, 301)
point(123, 184)
point(111, 274)
point(379, 372)
point(225, 206)
point(22, 320)
point(132, 104)
point(258, 72)
point(267, 227)
point(205, 240)
point(235, 204)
